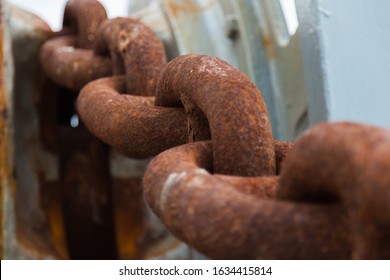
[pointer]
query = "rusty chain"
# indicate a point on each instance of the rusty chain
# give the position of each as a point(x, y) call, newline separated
point(238, 217)
point(200, 207)
point(131, 123)
point(82, 191)
point(69, 59)
point(219, 181)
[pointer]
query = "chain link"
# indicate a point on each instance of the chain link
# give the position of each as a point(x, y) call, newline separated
point(68, 59)
point(345, 164)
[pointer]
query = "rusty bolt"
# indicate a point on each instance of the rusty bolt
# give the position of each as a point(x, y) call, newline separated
point(232, 30)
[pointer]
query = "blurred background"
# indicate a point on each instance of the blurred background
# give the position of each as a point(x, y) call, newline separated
point(52, 11)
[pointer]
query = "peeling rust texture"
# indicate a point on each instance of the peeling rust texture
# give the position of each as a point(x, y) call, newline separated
point(132, 124)
point(227, 217)
point(32, 232)
point(346, 164)
point(68, 58)
point(136, 52)
point(129, 217)
point(215, 93)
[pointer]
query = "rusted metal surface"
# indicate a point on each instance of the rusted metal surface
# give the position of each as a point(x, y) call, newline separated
point(72, 67)
point(216, 216)
point(120, 110)
point(129, 216)
point(139, 129)
point(345, 164)
point(34, 166)
point(83, 17)
point(69, 59)
point(136, 52)
point(240, 195)
point(222, 104)
point(331, 201)
point(29, 168)
point(132, 124)
point(139, 233)
point(211, 89)
point(189, 7)
point(252, 35)
point(211, 92)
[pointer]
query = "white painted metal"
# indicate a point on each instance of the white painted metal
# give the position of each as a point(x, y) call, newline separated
point(346, 59)
point(253, 36)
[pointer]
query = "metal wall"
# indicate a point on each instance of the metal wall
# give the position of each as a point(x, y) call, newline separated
point(345, 46)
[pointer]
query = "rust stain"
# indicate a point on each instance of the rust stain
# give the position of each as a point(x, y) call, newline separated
point(191, 12)
point(55, 220)
point(128, 213)
point(188, 7)
point(268, 46)
point(37, 236)
point(51, 195)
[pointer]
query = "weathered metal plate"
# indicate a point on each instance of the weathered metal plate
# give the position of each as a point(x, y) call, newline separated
point(28, 171)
